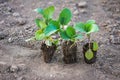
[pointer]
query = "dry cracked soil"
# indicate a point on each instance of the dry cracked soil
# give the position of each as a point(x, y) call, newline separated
point(20, 60)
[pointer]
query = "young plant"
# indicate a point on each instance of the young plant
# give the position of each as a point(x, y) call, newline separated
point(69, 36)
point(88, 27)
point(69, 32)
point(47, 27)
point(69, 46)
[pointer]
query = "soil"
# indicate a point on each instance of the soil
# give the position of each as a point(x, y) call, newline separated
point(48, 52)
point(69, 49)
point(21, 60)
point(85, 49)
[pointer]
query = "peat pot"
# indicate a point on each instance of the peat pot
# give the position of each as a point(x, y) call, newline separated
point(48, 52)
point(69, 52)
point(85, 48)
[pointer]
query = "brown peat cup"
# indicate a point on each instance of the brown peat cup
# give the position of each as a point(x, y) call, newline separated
point(69, 52)
point(48, 52)
point(85, 48)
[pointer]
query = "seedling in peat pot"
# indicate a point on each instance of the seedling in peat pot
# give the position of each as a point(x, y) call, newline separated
point(69, 36)
point(47, 28)
point(89, 49)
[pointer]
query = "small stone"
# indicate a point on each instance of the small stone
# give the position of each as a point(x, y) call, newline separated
point(16, 14)
point(21, 6)
point(117, 10)
point(82, 4)
point(2, 63)
point(76, 12)
point(108, 28)
point(51, 75)
point(21, 21)
point(83, 11)
point(55, 36)
point(50, 3)
point(22, 67)
point(27, 27)
point(29, 30)
point(104, 2)
point(118, 22)
point(9, 9)
point(2, 35)
point(21, 78)
point(2, 22)
point(108, 22)
point(13, 69)
point(3, 67)
point(10, 40)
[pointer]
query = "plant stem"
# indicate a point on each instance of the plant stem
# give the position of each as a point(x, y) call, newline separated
point(63, 26)
point(88, 35)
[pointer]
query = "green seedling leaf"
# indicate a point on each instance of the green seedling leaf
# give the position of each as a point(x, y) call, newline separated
point(56, 42)
point(87, 27)
point(80, 27)
point(48, 12)
point(64, 35)
point(89, 23)
point(89, 54)
point(39, 10)
point(95, 46)
point(37, 21)
point(70, 31)
point(55, 23)
point(65, 16)
point(94, 28)
point(90, 26)
point(50, 29)
point(48, 43)
point(39, 35)
point(79, 36)
point(40, 23)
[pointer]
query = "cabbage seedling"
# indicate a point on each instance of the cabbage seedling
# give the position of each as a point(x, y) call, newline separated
point(47, 28)
point(69, 36)
point(88, 27)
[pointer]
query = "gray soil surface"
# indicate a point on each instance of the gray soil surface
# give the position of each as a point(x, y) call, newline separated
point(20, 60)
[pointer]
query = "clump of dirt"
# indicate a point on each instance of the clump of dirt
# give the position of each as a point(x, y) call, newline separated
point(70, 52)
point(48, 52)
